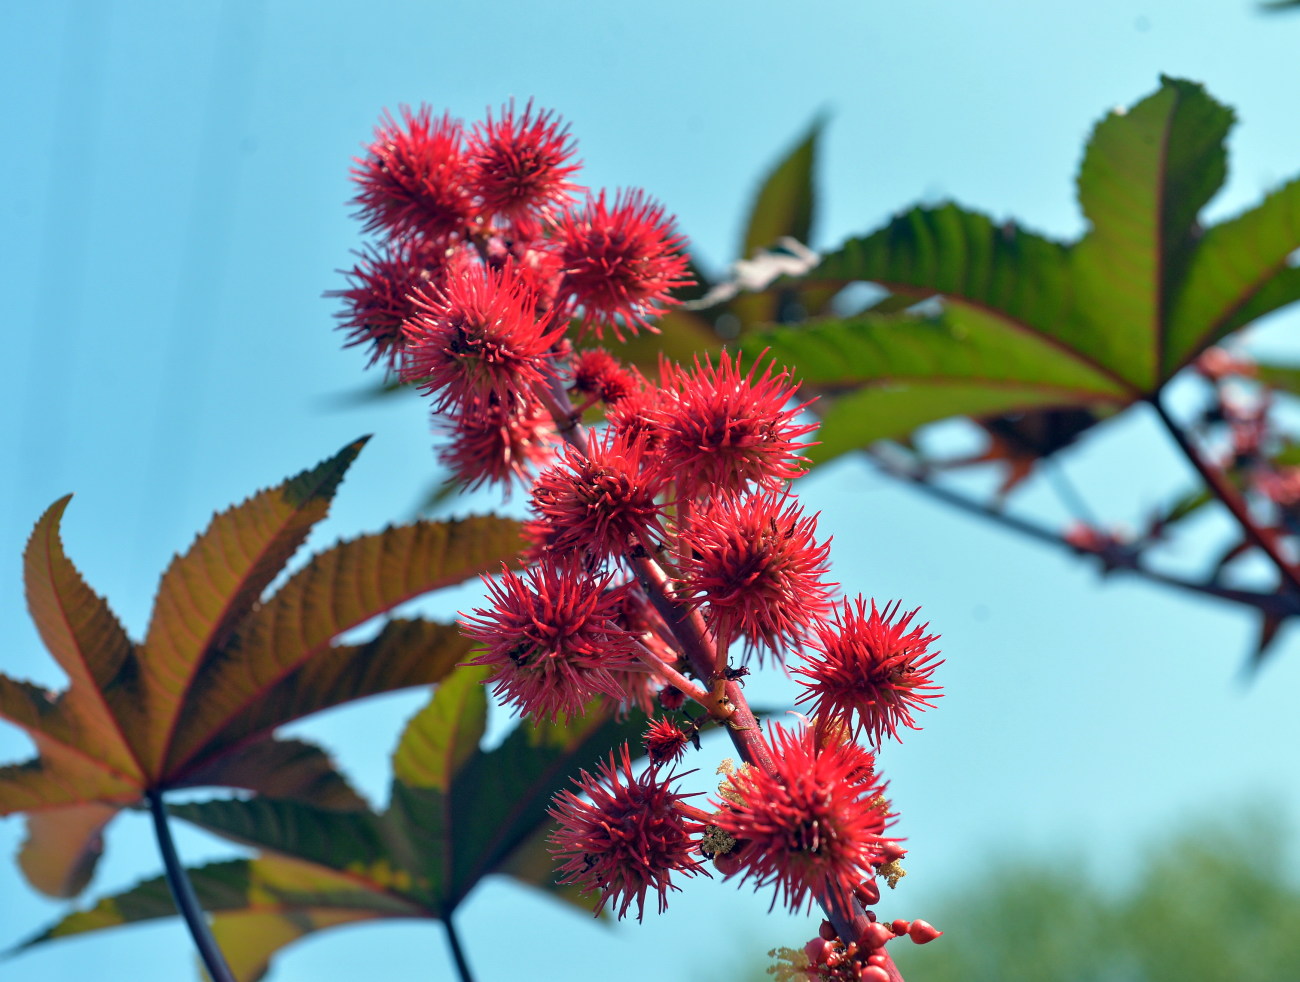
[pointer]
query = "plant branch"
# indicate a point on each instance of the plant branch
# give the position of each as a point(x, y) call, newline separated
point(1127, 562)
point(187, 902)
point(457, 952)
point(1231, 498)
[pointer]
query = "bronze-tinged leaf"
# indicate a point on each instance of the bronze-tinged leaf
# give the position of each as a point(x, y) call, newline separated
point(38, 710)
point(280, 769)
point(405, 653)
point(206, 592)
point(260, 905)
point(341, 588)
point(96, 739)
point(57, 779)
point(62, 847)
point(86, 639)
point(457, 814)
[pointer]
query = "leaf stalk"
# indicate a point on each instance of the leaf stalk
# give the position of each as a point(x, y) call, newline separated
point(187, 902)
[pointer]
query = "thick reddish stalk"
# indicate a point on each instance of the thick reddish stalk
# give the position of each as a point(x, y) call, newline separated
point(1232, 500)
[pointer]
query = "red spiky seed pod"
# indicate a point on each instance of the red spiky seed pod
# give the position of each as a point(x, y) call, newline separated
point(721, 430)
point(671, 697)
point(489, 442)
point(477, 335)
point(753, 566)
point(599, 375)
point(551, 638)
point(598, 502)
point(378, 299)
point(869, 670)
point(621, 261)
point(627, 838)
point(519, 163)
point(664, 741)
point(814, 828)
point(412, 178)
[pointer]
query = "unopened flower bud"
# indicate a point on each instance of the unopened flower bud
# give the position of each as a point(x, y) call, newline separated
point(874, 936)
point(923, 932)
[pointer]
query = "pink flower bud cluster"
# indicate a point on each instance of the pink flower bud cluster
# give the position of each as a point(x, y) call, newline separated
point(664, 533)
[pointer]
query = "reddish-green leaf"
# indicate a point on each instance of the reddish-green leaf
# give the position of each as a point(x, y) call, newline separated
point(405, 653)
point(62, 847)
point(89, 643)
point(260, 904)
point(457, 813)
point(341, 588)
point(223, 666)
point(206, 592)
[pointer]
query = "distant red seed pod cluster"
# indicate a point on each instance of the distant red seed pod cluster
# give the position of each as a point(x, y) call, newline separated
point(664, 526)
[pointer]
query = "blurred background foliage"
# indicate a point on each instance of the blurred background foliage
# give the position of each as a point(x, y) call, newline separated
point(1216, 899)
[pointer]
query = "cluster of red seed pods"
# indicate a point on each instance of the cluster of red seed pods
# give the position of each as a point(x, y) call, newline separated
point(666, 550)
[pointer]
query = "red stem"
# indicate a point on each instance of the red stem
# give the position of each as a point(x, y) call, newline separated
point(1232, 500)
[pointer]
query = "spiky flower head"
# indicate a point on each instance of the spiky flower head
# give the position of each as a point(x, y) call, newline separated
point(626, 837)
point(378, 299)
point(635, 415)
point(722, 430)
point(477, 335)
point(412, 178)
point(599, 375)
point(813, 829)
point(551, 638)
point(665, 741)
point(596, 503)
point(491, 442)
point(518, 163)
point(753, 566)
point(869, 670)
point(621, 262)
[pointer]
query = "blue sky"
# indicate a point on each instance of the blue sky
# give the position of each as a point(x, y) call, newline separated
point(173, 194)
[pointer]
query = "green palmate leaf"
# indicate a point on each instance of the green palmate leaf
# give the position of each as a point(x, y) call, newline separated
point(457, 814)
point(897, 372)
point(785, 205)
point(1145, 177)
point(1240, 271)
point(785, 202)
point(1113, 315)
point(222, 666)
